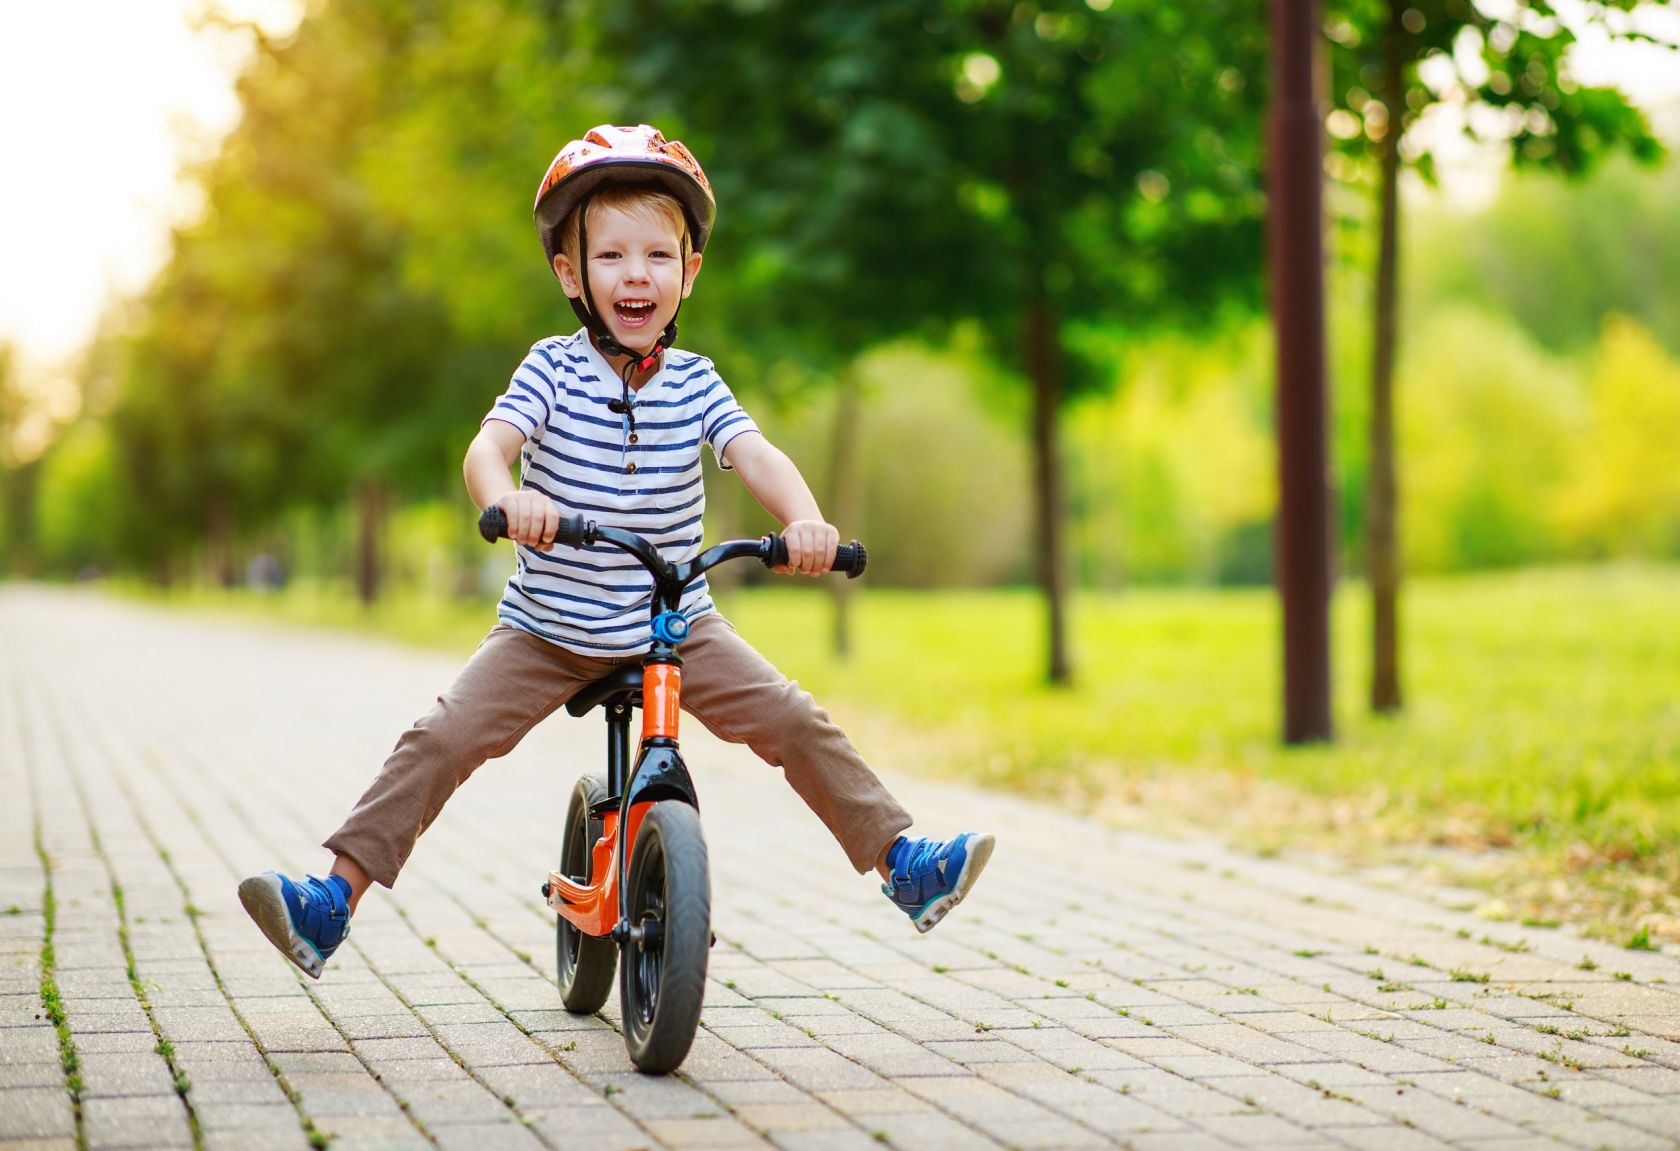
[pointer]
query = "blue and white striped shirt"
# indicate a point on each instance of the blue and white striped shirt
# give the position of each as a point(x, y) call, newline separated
point(581, 455)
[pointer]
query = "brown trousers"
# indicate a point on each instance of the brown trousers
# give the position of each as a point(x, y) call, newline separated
point(515, 680)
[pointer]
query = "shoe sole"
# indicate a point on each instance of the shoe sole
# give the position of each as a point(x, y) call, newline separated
point(266, 906)
point(979, 851)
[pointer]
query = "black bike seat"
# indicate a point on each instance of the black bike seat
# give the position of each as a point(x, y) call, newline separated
point(625, 684)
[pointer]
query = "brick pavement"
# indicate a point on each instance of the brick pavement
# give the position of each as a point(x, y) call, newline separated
point(1101, 989)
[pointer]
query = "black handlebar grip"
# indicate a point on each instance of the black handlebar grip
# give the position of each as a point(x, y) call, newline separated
point(493, 526)
point(849, 558)
point(573, 531)
point(492, 523)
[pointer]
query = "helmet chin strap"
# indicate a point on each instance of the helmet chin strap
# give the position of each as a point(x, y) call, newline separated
point(584, 306)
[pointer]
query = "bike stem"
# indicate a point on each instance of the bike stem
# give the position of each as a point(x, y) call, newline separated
point(671, 580)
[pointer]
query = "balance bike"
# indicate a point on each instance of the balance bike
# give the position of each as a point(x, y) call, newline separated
point(633, 874)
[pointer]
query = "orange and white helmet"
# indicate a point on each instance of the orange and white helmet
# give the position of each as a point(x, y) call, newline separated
point(613, 154)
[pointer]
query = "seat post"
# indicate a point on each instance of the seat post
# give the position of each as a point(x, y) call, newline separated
point(618, 745)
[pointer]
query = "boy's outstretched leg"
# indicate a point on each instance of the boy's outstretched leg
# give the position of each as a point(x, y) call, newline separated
point(512, 682)
point(742, 698)
point(925, 878)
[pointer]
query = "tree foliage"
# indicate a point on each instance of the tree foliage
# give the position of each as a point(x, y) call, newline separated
point(346, 303)
point(1560, 255)
point(1502, 68)
point(890, 167)
point(1624, 495)
point(1499, 68)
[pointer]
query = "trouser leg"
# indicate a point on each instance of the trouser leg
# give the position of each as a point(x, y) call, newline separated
point(511, 683)
point(740, 697)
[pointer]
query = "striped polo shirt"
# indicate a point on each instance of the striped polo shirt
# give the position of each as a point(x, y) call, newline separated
point(586, 458)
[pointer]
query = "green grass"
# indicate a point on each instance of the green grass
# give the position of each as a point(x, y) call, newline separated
point(51, 1001)
point(1542, 705)
point(1542, 713)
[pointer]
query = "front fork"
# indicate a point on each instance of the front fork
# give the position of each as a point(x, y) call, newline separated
point(660, 774)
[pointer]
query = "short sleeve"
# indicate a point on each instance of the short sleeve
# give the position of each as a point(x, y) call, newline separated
point(722, 418)
point(531, 395)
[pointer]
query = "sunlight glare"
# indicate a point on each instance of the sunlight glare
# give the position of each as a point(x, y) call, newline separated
point(105, 101)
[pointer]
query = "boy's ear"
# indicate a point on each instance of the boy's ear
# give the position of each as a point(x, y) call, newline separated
point(568, 276)
point(691, 269)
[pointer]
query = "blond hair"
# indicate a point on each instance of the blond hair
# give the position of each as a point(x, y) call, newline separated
point(640, 201)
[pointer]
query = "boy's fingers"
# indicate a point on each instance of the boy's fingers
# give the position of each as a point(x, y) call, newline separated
point(820, 554)
point(531, 523)
point(527, 529)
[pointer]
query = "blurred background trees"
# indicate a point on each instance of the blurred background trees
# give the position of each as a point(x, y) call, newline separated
point(1025, 237)
point(1501, 73)
point(1036, 170)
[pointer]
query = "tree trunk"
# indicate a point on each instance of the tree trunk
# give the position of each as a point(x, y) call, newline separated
point(1043, 356)
point(220, 544)
point(19, 484)
point(845, 490)
point(370, 528)
point(1303, 543)
point(1382, 494)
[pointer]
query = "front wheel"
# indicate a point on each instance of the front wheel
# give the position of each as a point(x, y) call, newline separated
point(584, 963)
point(663, 977)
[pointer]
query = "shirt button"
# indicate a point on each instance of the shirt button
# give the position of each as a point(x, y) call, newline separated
point(635, 439)
point(630, 468)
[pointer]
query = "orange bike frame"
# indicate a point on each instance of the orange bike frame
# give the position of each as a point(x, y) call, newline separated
point(661, 700)
point(593, 908)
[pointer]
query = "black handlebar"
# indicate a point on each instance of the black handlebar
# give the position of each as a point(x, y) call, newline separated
point(575, 531)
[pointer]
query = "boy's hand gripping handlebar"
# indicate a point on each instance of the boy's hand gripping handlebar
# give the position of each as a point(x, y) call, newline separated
point(575, 531)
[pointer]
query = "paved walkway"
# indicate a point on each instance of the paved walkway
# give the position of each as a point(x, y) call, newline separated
point(1100, 989)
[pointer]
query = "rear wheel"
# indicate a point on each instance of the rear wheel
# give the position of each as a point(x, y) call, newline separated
point(670, 909)
point(584, 963)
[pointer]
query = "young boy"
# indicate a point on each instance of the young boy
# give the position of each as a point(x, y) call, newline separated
point(608, 423)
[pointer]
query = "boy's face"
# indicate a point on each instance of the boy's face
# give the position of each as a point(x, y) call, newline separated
point(637, 274)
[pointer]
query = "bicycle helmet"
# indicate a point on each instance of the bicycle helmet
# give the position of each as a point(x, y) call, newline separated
point(628, 156)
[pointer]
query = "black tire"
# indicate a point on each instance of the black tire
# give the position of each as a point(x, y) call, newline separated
point(664, 975)
point(584, 963)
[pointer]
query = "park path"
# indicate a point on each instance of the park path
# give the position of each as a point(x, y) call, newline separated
point(1099, 989)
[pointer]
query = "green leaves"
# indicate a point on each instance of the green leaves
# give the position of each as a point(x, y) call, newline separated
point(1505, 75)
point(940, 163)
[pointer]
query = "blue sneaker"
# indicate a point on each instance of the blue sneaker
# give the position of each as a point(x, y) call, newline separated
point(306, 921)
point(929, 877)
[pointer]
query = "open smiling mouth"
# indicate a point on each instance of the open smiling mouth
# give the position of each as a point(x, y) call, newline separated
point(634, 313)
